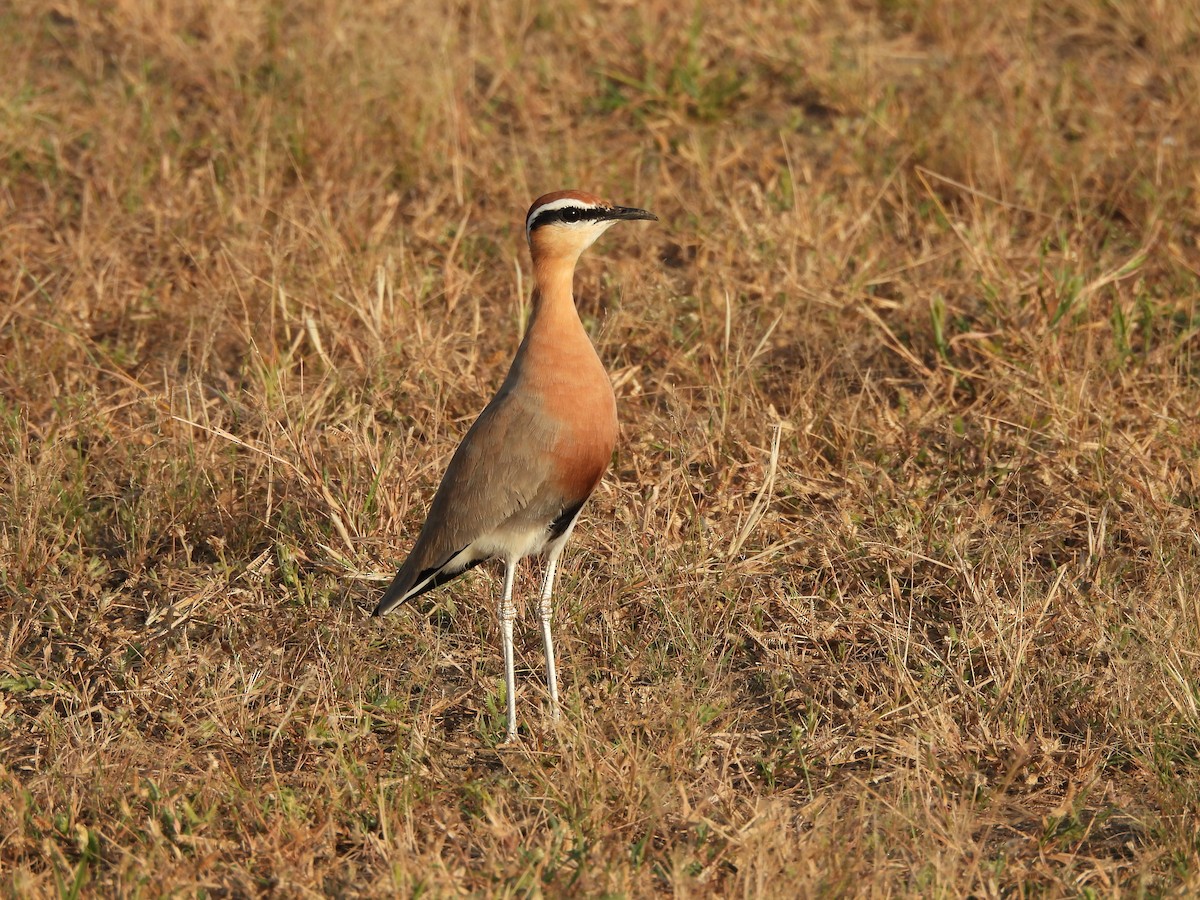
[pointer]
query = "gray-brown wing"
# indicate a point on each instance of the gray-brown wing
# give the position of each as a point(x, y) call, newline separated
point(501, 469)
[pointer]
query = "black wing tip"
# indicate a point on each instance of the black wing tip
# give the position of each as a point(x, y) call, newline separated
point(391, 598)
point(403, 589)
point(386, 605)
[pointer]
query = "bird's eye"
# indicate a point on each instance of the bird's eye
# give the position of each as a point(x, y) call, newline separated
point(572, 214)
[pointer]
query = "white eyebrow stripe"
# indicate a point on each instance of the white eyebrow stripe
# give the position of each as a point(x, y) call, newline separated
point(560, 203)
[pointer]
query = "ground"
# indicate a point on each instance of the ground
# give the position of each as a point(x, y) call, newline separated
point(893, 587)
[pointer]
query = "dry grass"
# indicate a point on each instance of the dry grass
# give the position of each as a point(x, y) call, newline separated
point(262, 262)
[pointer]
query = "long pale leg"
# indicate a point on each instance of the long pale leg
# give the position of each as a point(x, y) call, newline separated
point(547, 614)
point(508, 614)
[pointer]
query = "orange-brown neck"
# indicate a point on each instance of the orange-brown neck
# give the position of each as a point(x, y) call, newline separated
point(553, 294)
point(557, 356)
point(565, 373)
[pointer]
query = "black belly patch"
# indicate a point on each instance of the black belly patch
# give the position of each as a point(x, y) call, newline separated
point(564, 519)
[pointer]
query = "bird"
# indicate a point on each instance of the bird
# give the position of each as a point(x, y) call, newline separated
point(519, 478)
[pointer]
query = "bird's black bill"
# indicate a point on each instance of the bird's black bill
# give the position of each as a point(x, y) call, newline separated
point(629, 212)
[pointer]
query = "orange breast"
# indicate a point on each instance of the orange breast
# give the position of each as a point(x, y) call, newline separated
point(575, 392)
point(584, 448)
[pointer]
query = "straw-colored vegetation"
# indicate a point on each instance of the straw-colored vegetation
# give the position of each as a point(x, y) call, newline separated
point(893, 588)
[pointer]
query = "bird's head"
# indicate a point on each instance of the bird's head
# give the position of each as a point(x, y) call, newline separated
point(565, 223)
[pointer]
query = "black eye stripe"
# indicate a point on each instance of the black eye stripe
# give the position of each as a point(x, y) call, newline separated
point(565, 214)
